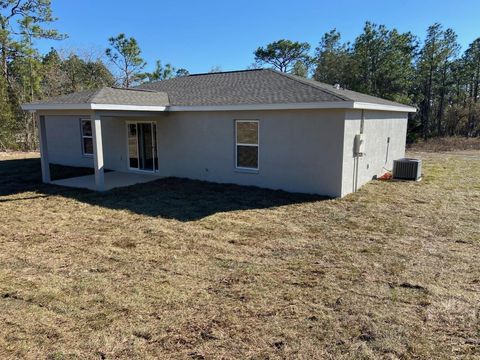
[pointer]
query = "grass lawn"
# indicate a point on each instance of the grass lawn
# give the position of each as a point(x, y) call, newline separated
point(185, 269)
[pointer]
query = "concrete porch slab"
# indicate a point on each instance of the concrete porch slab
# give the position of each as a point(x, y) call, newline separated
point(113, 179)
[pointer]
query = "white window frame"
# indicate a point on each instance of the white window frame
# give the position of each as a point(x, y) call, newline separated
point(83, 137)
point(257, 145)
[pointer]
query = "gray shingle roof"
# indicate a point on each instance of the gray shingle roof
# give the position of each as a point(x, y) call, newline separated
point(239, 87)
point(109, 95)
point(348, 95)
point(259, 86)
point(247, 87)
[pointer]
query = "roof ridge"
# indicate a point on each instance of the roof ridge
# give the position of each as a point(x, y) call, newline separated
point(225, 72)
point(141, 86)
point(132, 89)
point(309, 83)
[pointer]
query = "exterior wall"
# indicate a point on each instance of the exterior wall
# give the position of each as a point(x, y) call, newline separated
point(300, 151)
point(308, 151)
point(114, 134)
point(65, 146)
point(379, 155)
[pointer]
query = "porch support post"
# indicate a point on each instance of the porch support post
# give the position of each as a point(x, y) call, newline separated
point(42, 134)
point(98, 151)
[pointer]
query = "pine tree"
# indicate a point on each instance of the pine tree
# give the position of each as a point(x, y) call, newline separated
point(333, 60)
point(126, 55)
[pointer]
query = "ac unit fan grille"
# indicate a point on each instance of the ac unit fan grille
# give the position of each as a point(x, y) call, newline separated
point(407, 169)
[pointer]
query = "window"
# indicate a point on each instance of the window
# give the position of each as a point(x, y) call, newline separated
point(87, 136)
point(246, 144)
point(132, 146)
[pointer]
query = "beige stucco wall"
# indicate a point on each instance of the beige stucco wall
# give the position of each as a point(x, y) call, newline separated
point(379, 154)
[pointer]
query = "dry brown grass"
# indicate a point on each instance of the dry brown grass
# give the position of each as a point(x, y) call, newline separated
point(180, 269)
point(453, 143)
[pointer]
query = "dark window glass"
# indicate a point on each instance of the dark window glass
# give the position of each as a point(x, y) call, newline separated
point(86, 128)
point(247, 156)
point(87, 146)
point(132, 129)
point(247, 132)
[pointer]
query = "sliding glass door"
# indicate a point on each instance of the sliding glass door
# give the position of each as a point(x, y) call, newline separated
point(142, 146)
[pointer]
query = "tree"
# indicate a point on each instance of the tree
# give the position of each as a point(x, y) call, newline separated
point(83, 74)
point(283, 54)
point(368, 50)
point(439, 48)
point(22, 22)
point(300, 68)
point(182, 72)
point(215, 69)
point(382, 62)
point(161, 72)
point(53, 78)
point(97, 75)
point(126, 55)
point(332, 60)
point(9, 126)
point(73, 68)
point(30, 16)
point(444, 86)
point(165, 72)
point(25, 82)
point(69, 73)
point(456, 113)
point(472, 76)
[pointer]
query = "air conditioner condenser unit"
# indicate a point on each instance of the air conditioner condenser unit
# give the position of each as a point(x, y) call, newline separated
point(407, 169)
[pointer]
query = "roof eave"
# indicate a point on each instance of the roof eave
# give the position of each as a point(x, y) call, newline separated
point(293, 106)
point(383, 107)
point(231, 107)
point(281, 106)
point(37, 107)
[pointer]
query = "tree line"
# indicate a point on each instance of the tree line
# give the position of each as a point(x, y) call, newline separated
point(27, 75)
point(432, 75)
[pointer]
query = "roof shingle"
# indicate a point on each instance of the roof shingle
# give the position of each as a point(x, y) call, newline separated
point(247, 87)
point(239, 87)
point(114, 96)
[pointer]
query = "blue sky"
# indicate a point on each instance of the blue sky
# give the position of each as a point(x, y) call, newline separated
point(199, 35)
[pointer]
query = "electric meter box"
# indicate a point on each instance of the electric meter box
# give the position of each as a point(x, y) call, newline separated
point(359, 144)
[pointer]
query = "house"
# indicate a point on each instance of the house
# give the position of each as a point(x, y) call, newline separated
point(253, 127)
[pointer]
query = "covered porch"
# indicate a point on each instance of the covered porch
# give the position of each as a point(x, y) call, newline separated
point(122, 149)
point(112, 180)
point(105, 128)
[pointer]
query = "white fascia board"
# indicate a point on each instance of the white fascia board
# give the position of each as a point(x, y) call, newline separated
point(382, 107)
point(128, 107)
point(286, 106)
point(34, 107)
point(293, 106)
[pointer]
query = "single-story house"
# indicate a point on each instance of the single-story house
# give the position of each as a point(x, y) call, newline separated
point(254, 127)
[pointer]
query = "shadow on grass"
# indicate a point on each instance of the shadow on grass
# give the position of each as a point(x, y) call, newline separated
point(171, 198)
point(22, 175)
